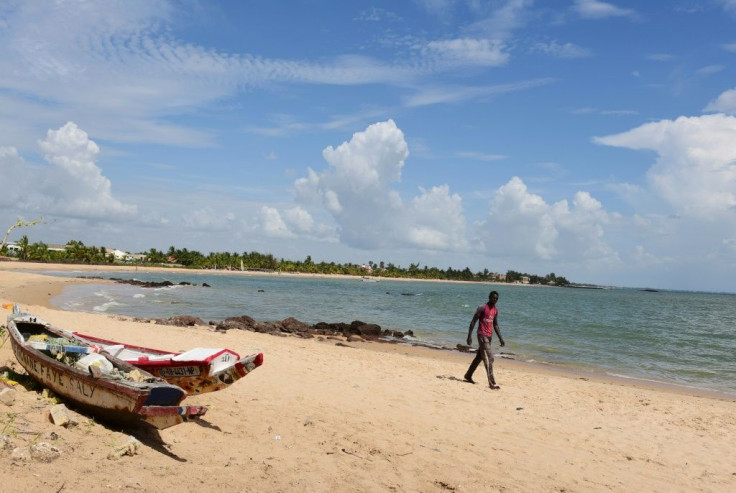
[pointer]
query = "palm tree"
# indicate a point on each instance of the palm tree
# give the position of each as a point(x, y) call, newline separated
point(39, 251)
point(23, 243)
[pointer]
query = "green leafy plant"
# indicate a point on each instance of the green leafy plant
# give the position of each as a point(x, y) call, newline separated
point(8, 424)
point(88, 425)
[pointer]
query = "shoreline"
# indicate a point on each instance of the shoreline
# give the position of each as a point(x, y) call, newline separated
point(36, 266)
point(550, 369)
point(32, 294)
point(317, 416)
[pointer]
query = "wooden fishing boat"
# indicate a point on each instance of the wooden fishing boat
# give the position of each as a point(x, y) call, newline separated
point(197, 371)
point(107, 387)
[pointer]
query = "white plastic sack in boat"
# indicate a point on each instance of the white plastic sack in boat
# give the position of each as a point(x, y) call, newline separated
point(94, 359)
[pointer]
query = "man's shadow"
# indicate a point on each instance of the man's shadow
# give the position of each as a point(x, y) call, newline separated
point(453, 378)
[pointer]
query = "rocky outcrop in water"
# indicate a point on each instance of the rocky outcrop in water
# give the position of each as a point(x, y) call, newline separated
point(151, 284)
point(292, 326)
point(146, 284)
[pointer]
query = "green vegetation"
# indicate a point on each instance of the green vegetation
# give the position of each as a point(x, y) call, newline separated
point(3, 337)
point(8, 429)
point(77, 252)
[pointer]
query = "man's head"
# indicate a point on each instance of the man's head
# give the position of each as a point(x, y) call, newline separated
point(493, 297)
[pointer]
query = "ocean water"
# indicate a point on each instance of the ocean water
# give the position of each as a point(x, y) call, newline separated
point(680, 338)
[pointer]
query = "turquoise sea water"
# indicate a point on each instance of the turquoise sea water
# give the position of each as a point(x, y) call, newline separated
point(680, 338)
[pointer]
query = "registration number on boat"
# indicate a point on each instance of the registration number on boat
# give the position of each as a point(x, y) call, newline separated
point(179, 371)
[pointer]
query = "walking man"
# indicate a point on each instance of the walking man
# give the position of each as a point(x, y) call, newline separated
point(487, 316)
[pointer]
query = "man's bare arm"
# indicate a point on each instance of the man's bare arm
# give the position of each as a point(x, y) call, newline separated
point(470, 329)
point(498, 331)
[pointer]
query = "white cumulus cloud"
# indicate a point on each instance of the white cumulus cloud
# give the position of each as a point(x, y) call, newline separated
point(273, 225)
point(695, 170)
point(73, 185)
point(357, 191)
point(291, 223)
point(372, 159)
point(299, 219)
point(522, 224)
point(725, 103)
point(437, 220)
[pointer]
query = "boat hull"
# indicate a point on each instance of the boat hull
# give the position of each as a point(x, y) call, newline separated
point(197, 371)
point(120, 401)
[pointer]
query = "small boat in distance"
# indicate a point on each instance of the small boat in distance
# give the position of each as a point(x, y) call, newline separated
point(197, 371)
point(368, 279)
point(107, 387)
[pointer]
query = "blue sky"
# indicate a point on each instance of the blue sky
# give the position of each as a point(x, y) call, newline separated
point(596, 140)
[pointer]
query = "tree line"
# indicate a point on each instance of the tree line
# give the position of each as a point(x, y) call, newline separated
point(78, 252)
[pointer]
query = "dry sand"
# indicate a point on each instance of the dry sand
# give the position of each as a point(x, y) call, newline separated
point(322, 417)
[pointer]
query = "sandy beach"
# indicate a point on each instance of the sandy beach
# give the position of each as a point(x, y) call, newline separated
point(369, 417)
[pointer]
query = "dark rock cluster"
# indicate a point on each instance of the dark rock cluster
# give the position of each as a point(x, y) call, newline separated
point(179, 321)
point(146, 284)
point(290, 326)
point(152, 284)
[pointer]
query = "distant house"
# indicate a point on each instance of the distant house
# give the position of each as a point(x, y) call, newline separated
point(14, 247)
point(56, 247)
point(119, 255)
point(524, 279)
